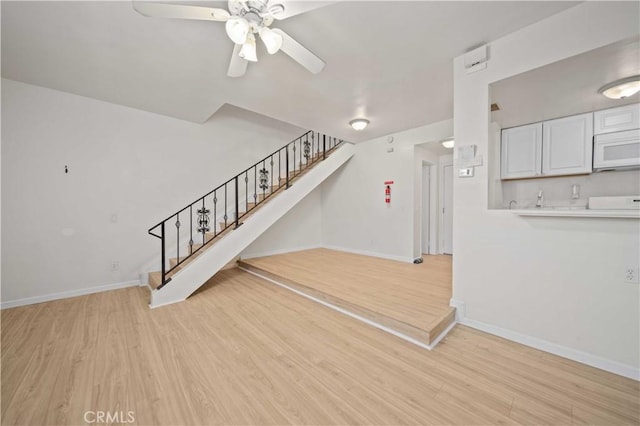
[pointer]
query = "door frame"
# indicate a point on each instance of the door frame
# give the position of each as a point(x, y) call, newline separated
point(427, 199)
point(440, 210)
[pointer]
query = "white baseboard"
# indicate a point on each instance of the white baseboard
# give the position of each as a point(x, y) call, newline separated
point(330, 247)
point(546, 346)
point(66, 294)
point(369, 253)
point(460, 308)
point(244, 256)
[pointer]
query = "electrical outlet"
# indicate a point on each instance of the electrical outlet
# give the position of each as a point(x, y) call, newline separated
point(631, 275)
point(115, 265)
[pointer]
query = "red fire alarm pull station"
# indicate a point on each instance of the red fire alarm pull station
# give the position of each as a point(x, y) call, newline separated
point(387, 191)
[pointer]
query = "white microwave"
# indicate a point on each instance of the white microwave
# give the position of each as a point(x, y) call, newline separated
point(619, 150)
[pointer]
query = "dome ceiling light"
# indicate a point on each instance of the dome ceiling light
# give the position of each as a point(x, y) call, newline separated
point(448, 143)
point(622, 88)
point(359, 123)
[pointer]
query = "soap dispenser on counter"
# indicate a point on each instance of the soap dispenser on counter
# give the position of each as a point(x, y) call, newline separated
point(540, 198)
point(575, 191)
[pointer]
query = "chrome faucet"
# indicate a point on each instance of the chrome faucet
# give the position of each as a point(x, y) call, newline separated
point(511, 204)
point(540, 198)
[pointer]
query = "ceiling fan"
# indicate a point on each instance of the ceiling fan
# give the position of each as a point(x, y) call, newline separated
point(243, 21)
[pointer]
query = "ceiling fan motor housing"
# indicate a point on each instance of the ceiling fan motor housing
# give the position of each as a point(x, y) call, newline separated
point(256, 12)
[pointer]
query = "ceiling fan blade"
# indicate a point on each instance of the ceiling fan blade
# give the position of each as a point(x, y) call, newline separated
point(299, 53)
point(163, 10)
point(237, 66)
point(286, 9)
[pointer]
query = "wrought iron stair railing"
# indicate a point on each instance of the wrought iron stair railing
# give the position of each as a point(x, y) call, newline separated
point(230, 202)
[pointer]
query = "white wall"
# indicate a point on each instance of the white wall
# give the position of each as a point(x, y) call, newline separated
point(552, 282)
point(355, 216)
point(299, 229)
point(57, 233)
point(496, 197)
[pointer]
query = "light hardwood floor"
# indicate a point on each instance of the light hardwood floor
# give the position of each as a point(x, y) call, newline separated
point(414, 294)
point(244, 351)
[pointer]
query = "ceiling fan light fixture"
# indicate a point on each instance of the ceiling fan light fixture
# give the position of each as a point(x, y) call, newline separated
point(448, 143)
point(359, 123)
point(271, 40)
point(622, 88)
point(248, 50)
point(237, 29)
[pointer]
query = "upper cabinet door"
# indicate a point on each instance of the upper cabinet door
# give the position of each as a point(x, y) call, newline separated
point(567, 145)
point(616, 119)
point(521, 151)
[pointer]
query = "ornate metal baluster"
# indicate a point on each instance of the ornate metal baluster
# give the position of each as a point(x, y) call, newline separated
point(313, 142)
point(215, 213)
point(246, 191)
point(294, 158)
point(300, 154)
point(203, 220)
point(255, 185)
point(163, 255)
point(286, 165)
point(307, 150)
point(264, 179)
point(279, 168)
point(237, 203)
point(271, 174)
point(190, 229)
point(225, 206)
point(324, 147)
point(177, 237)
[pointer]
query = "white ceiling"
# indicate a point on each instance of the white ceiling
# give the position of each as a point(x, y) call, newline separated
point(388, 61)
point(566, 87)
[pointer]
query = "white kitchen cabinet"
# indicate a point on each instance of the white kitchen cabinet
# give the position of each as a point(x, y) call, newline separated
point(616, 119)
point(521, 152)
point(567, 145)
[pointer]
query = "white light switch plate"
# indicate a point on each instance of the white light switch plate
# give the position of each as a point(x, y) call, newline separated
point(468, 172)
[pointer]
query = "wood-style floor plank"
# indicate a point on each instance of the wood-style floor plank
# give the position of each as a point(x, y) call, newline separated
point(244, 351)
point(416, 294)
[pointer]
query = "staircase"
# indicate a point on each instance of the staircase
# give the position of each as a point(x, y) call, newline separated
point(210, 233)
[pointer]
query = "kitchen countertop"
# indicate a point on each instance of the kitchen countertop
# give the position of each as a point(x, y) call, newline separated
point(560, 212)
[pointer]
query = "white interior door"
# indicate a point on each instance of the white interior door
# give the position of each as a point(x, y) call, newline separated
point(447, 209)
point(426, 206)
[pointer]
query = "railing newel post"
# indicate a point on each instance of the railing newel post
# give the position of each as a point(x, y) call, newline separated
point(163, 254)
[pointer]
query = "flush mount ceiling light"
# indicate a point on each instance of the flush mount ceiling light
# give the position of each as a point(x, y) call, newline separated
point(448, 143)
point(621, 89)
point(359, 123)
